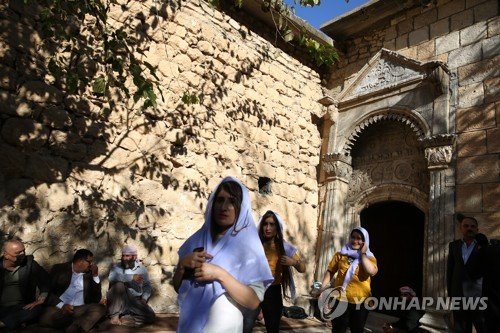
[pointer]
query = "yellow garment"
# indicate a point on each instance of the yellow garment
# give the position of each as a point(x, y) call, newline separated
point(359, 287)
point(273, 255)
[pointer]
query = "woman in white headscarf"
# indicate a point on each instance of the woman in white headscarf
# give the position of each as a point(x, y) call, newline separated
point(355, 264)
point(222, 267)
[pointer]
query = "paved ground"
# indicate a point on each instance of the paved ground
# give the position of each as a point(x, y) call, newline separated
point(167, 323)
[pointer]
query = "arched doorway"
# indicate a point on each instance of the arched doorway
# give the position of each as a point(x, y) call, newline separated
point(397, 239)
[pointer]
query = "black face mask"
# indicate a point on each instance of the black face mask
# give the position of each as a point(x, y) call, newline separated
point(20, 260)
point(128, 264)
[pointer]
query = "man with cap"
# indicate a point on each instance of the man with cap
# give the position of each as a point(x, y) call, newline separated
point(129, 291)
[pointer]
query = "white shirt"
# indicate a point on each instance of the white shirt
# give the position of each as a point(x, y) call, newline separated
point(74, 294)
point(226, 315)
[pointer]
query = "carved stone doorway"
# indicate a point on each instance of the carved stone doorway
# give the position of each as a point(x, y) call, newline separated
point(397, 239)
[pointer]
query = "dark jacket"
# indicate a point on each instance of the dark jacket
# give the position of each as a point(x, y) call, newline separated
point(31, 276)
point(456, 271)
point(60, 279)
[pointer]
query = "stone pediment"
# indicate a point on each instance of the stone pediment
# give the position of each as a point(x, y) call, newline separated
point(387, 71)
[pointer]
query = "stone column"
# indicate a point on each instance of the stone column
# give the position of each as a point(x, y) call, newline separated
point(439, 229)
point(337, 170)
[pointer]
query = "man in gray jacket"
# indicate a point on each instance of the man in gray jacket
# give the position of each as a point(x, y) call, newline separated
point(129, 291)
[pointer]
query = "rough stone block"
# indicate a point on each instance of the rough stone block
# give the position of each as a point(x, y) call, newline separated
point(492, 89)
point(405, 27)
point(46, 168)
point(478, 169)
point(486, 10)
point(476, 118)
point(462, 20)
point(402, 42)
point(426, 50)
point(56, 118)
point(494, 27)
point(474, 33)
point(8, 78)
point(183, 61)
point(471, 95)
point(12, 163)
point(472, 3)
point(440, 28)
point(448, 42)
point(25, 133)
point(471, 143)
point(418, 36)
point(465, 55)
point(390, 33)
point(479, 71)
point(451, 8)
point(469, 198)
point(424, 19)
point(491, 47)
point(491, 195)
point(40, 92)
point(493, 139)
point(67, 145)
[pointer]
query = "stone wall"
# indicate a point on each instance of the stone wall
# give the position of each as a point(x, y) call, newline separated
point(464, 34)
point(74, 174)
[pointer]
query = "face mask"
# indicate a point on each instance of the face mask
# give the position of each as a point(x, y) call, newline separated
point(20, 259)
point(128, 264)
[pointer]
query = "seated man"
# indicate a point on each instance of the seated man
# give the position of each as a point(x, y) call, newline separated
point(75, 293)
point(129, 291)
point(20, 275)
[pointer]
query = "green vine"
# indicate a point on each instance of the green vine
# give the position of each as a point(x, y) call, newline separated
point(96, 53)
point(321, 54)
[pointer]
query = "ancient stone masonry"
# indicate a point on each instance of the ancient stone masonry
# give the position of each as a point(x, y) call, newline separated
point(434, 68)
point(76, 173)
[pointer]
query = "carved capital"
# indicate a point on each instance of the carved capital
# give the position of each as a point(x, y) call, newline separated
point(337, 166)
point(438, 150)
point(438, 157)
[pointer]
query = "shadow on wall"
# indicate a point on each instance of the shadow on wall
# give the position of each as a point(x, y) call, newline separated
point(78, 172)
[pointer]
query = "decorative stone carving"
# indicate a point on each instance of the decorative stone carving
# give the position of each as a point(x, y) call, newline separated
point(438, 157)
point(337, 166)
point(385, 74)
point(391, 116)
point(438, 150)
point(388, 153)
point(360, 181)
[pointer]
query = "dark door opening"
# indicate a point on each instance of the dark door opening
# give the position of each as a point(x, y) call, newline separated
point(397, 239)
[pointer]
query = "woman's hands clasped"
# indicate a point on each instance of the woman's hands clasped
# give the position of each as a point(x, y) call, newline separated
point(195, 259)
point(203, 271)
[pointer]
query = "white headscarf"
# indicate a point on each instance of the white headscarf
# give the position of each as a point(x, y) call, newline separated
point(354, 254)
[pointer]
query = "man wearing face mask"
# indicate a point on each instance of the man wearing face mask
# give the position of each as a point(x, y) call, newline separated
point(129, 291)
point(20, 275)
point(75, 293)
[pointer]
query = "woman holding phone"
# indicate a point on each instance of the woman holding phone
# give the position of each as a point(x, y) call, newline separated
point(355, 264)
point(222, 268)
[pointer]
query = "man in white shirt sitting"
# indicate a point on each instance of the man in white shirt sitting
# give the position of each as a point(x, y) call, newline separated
point(75, 293)
point(129, 291)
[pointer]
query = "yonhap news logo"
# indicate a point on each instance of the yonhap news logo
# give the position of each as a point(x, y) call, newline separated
point(332, 303)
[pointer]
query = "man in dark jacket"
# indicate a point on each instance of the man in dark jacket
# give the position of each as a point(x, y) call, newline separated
point(461, 254)
point(20, 275)
point(488, 267)
point(75, 293)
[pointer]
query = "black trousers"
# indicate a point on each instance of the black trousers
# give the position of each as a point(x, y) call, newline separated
point(464, 319)
point(353, 318)
point(14, 316)
point(272, 308)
